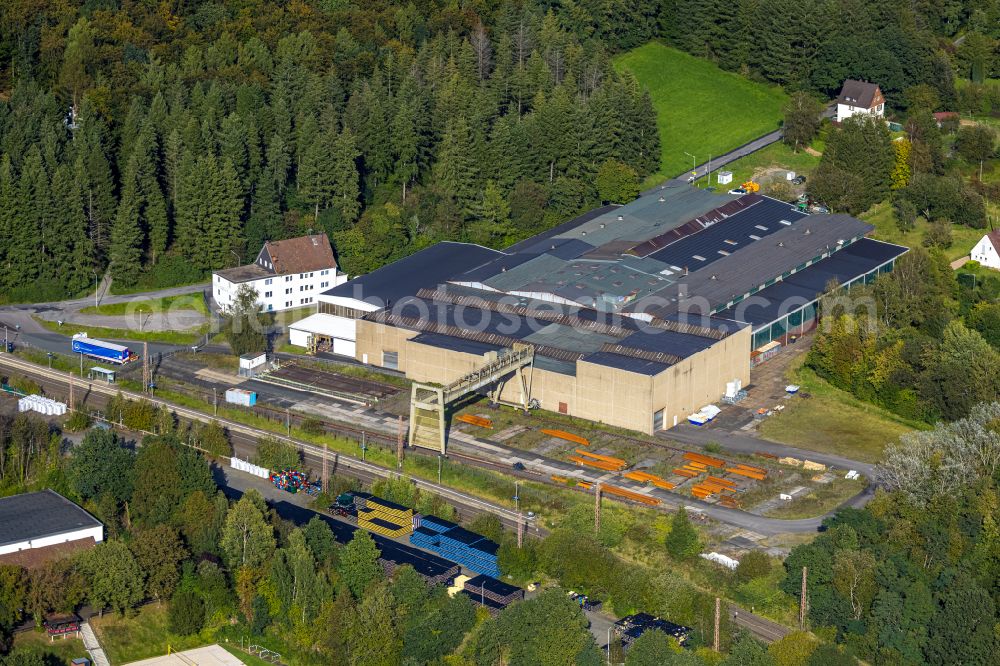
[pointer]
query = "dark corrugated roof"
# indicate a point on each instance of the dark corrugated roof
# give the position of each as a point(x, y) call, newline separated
point(455, 344)
point(36, 515)
point(406, 277)
point(859, 93)
point(754, 265)
point(805, 286)
point(729, 236)
point(626, 363)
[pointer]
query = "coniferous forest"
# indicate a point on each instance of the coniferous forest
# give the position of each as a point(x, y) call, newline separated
point(160, 140)
point(163, 140)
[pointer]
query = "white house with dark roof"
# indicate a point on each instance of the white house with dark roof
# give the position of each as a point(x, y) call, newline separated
point(857, 97)
point(286, 274)
point(987, 250)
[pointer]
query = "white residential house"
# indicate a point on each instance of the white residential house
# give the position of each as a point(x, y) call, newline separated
point(987, 250)
point(286, 274)
point(858, 97)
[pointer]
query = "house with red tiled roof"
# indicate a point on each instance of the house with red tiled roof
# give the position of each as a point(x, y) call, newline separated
point(987, 250)
point(286, 274)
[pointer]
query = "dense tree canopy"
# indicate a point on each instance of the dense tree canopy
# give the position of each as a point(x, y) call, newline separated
point(162, 143)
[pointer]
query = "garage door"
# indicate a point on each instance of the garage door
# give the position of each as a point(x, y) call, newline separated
point(343, 347)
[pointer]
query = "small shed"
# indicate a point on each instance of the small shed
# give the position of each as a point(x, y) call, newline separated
point(252, 364)
point(725, 177)
point(102, 373)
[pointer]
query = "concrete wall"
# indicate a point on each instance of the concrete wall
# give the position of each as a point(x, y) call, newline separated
point(597, 392)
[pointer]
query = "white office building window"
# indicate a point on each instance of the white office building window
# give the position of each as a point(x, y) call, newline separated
point(268, 281)
point(267, 294)
point(288, 304)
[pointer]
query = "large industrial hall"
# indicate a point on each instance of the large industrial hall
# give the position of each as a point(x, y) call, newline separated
point(633, 316)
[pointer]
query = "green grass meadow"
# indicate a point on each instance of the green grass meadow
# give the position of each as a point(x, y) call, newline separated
point(701, 109)
point(183, 302)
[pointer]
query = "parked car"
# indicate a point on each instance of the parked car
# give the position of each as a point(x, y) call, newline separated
point(518, 467)
point(820, 209)
point(798, 180)
point(737, 190)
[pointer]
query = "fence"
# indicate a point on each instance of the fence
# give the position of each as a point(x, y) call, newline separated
point(250, 468)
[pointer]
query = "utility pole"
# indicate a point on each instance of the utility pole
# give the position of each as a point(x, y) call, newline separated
point(399, 443)
point(597, 508)
point(363, 447)
point(439, 469)
point(146, 380)
point(71, 391)
point(802, 600)
point(288, 422)
point(215, 401)
point(520, 530)
point(718, 612)
point(517, 497)
point(326, 468)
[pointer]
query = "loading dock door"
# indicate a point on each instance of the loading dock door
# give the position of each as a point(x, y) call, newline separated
point(343, 347)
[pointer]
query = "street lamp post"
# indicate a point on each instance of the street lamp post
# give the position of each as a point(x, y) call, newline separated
point(97, 290)
point(693, 161)
point(517, 497)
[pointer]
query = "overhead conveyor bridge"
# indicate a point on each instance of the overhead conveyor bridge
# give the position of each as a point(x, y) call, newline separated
point(428, 403)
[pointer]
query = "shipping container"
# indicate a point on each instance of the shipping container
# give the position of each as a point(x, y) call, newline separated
point(241, 397)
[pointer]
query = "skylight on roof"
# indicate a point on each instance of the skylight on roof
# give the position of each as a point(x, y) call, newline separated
point(698, 257)
point(761, 227)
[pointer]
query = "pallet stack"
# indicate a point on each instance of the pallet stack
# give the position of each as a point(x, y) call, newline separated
point(473, 551)
point(492, 593)
point(383, 517)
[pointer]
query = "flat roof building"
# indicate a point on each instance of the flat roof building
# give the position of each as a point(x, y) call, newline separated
point(638, 315)
point(38, 527)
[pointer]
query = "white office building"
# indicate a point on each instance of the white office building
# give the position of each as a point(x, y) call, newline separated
point(286, 274)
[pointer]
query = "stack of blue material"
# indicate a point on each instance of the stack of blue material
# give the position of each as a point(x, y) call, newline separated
point(423, 537)
point(435, 524)
point(473, 551)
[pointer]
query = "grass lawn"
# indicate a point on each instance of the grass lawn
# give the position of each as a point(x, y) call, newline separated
point(881, 215)
point(165, 304)
point(833, 421)
point(61, 652)
point(140, 637)
point(168, 337)
point(818, 501)
point(701, 109)
point(778, 156)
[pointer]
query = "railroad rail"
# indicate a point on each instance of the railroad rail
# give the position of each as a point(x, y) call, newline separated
point(234, 426)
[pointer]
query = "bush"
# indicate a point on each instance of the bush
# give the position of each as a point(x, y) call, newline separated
point(312, 426)
point(276, 454)
point(78, 421)
point(187, 613)
point(938, 234)
point(755, 564)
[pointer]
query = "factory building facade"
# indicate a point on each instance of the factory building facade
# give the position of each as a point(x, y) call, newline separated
point(638, 315)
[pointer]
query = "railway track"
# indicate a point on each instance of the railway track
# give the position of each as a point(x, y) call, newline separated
point(248, 435)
